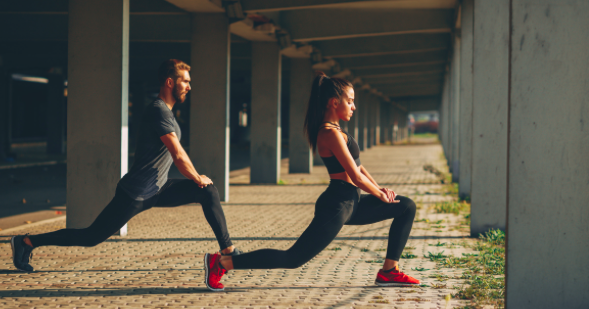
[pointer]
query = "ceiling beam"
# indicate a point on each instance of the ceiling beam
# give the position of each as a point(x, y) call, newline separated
point(382, 45)
point(382, 72)
point(392, 60)
point(379, 82)
point(260, 6)
point(332, 24)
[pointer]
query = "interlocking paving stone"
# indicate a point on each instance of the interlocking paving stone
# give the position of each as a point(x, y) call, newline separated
point(159, 264)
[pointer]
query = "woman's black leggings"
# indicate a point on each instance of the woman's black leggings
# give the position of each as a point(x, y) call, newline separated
point(122, 208)
point(341, 204)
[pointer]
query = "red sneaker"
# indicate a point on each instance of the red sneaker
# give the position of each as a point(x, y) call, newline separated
point(214, 272)
point(395, 278)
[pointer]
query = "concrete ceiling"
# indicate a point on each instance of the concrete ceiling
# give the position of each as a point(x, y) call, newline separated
point(398, 48)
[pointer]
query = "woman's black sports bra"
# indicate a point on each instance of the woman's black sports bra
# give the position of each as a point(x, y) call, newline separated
point(333, 165)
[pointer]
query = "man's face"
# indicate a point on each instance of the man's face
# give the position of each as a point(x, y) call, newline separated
point(182, 86)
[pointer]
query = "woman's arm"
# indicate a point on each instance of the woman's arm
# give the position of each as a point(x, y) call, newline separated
point(332, 139)
point(365, 172)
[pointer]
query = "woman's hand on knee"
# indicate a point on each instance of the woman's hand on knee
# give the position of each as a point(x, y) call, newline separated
point(391, 195)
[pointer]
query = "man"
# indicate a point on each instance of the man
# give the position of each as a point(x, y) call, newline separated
point(147, 184)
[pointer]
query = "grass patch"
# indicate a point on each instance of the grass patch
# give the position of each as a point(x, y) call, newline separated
point(374, 261)
point(439, 244)
point(364, 250)
point(336, 249)
point(408, 255)
point(435, 257)
point(451, 207)
point(485, 283)
point(419, 269)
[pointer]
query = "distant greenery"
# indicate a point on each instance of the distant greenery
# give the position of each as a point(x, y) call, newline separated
point(425, 135)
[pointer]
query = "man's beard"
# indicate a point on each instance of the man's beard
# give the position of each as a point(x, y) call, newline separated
point(178, 95)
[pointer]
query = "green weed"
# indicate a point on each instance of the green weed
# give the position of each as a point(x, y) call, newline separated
point(451, 207)
point(419, 269)
point(438, 244)
point(435, 256)
point(408, 255)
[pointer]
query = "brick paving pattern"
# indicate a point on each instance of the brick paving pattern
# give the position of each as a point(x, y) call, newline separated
point(159, 264)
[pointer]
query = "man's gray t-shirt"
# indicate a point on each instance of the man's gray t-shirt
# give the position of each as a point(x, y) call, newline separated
point(152, 159)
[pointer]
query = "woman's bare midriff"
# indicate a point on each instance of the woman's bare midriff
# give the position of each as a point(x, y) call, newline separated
point(341, 176)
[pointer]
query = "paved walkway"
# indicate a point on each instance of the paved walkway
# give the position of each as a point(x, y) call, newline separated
point(159, 264)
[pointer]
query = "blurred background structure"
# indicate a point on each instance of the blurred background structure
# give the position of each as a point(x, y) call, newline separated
point(507, 80)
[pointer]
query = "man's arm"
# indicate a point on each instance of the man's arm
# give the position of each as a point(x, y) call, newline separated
point(182, 160)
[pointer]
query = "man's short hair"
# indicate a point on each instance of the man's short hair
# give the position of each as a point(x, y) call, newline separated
point(171, 69)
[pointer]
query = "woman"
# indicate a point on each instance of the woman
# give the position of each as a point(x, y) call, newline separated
point(341, 204)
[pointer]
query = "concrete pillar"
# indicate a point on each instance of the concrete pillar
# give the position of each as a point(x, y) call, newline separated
point(455, 106)
point(395, 118)
point(362, 110)
point(209, 98)
point(98, 74)
point(5, 116)
point(384, 123)
point(466, 70)
point(548, 161)
point(56, 114)
point(489, 115)
point(369, 120)
point(444, 118)
point(265, 132)
point(376, 119)
point(301, 78)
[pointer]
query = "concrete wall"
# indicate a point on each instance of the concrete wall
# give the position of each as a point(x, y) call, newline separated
point(301, 78)
point(548, 197)
point(466, 72)
point(265, 128)
point(98, 67)
point(209, 100)
point(490, 96)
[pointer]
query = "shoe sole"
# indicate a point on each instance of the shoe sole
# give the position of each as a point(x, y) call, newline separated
point(12, 247)
point(207, 275)
point(395, 284)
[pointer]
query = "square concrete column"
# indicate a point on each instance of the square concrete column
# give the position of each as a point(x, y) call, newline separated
point(98, 74)
point(455, 106)
point(300, 154)
point(362, 110)
point(466, 70)
point(489, 115)
point(265, 132)
point(369, 120)
point(56, 114)
point(5, 116)
point(209, 98)
point(384, 122)
point(548, 155)
point(445, 119)
point(376, 120)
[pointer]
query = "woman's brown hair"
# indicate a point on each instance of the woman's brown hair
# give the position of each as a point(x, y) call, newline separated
point(323, 89)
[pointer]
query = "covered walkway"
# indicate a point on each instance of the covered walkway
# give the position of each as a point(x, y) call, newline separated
point(159, 263)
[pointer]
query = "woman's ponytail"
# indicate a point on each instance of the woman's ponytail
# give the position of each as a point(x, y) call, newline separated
point(323, 89)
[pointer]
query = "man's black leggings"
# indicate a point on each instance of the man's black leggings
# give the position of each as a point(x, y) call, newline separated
point(341, 204)
point(122, 208)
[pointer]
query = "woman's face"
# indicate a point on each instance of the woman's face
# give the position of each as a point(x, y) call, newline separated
point(345, 107)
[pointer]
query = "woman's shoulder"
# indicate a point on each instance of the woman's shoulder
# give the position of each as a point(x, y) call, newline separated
point(330, 133)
